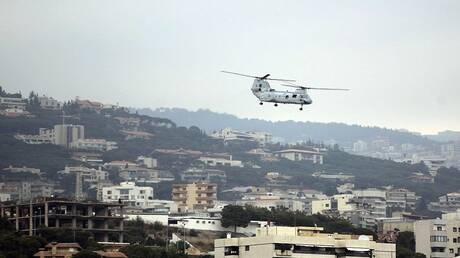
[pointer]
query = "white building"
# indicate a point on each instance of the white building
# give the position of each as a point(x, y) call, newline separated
point(299, 155)
point(359, 146)
point(94, 144)
point(228, 134)
point(213, 224)
point(49, 103)
point(340, 203)
point(301, 242)
point(13, 103)
point(221, 160)
point(130, 194)
point(4, 197)
point(438, 238)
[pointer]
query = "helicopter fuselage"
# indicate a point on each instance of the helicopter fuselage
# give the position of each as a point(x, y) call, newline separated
point(262, 90)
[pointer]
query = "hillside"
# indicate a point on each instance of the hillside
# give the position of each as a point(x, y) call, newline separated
point(291, 131)
point(368, 172)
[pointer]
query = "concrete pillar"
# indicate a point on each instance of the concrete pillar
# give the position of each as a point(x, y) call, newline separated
point(90, 215)
point(120, 237)
point(31, 219)
point(46, 214)
point(74, 214)
point(106, 237)
point(17, 218)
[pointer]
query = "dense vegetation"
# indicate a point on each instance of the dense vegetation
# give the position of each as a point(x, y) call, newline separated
point(16, 245)
point(238, 216)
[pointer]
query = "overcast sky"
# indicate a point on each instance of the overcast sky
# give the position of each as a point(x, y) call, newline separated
point(400, 58)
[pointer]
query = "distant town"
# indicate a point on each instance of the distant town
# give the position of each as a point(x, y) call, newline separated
point(87, 170)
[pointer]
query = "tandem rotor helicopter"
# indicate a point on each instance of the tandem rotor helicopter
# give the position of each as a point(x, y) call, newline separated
point(262, 90)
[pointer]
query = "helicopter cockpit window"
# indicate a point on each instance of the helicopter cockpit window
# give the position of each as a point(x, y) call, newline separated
point(272, 89)
point(287, 96)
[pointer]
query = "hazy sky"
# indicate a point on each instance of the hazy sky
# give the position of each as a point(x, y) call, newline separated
point(400, 58)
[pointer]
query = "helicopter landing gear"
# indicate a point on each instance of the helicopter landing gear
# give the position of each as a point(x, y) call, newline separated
point(261, 103)
point(276, 104)
point(301, 107)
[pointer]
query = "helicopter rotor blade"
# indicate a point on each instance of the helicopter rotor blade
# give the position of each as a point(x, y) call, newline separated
point(311, 88)
point(240, 74)
point(265, 77)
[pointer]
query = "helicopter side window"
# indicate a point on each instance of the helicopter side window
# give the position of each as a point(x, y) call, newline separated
point(287, 96)
point(272, 89)
point(294, 96)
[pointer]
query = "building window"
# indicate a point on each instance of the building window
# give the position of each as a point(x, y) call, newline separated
point(439, 228)
point(455, 240)
point(231, 250)
point(246, 248)
point(454, 229)
point(451, 250)
point(109, 192)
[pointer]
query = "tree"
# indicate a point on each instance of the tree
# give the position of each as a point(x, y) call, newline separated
point(236, 216)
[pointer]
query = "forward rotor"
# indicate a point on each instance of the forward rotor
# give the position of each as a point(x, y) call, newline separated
point(265, 77)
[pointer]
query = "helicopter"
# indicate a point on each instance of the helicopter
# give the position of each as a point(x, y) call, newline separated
point(262, 90)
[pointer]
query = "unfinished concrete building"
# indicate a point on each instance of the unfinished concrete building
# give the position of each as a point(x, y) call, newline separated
point(101, 219)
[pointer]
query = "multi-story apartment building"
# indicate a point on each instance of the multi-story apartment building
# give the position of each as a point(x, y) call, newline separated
point(298, 242)
point(314, 156)
point(438, 238)
point(198, 196)
point(446, 203)
point(400, 199)
point(13, 103)
point(65, 134)
point(101, 219)
point(204, 174)
point(370, 204)
point(220, 160)
point(129, 194)
point(228, 134)
point(94, 144)
point(26, 190)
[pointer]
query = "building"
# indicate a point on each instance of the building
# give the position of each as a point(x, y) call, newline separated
point(129, 194)
point(101, 219)
point(33, 171)
point(369, 205)
point(58, 250)
point(446, 203)
point(197, 196)
point(65, 134)
point(359, 146)
point(93, 144)
point(301, 242)
point(213, 224)
point(339, 203)
point(89, 175)
point(45, 136)
point(138, 174)
point(4, 197)
point(400, 199)
point(13, 103)
point(26, 190)
point(49, 103)
point(438, 237)
point(220, 160)
point(300, 155)
point(228, 134)
point(204, 175)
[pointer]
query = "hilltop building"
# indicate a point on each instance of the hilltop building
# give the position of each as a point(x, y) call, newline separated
point(301, 242)
point(314, 156)
point(228, 134)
